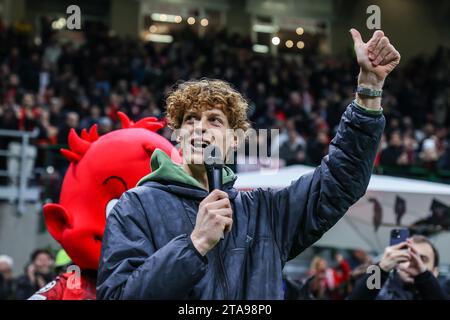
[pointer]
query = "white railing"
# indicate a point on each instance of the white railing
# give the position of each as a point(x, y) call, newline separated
point(20, 164)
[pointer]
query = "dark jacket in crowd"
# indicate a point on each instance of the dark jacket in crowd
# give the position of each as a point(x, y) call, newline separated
point(7, 289)
point(25, 288)
point(390, 155)
point(147, 252)
point(425, 287)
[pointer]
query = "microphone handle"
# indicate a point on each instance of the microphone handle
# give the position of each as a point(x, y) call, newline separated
point(215, 181)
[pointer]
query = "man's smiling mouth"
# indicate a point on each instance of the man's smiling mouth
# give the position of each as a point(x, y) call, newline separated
point(199, 144)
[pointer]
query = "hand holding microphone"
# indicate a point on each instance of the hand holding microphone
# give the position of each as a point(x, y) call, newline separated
point(215, 215)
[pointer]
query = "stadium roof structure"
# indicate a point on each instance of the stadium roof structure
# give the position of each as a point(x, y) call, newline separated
point(368, 222)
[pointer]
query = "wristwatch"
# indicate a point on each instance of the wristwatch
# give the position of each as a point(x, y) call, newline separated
point(367, 92)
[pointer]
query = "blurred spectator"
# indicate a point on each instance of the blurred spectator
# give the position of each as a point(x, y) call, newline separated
point(7, 284)
point(329, 283)
point(358, 258)
point(93, 118)
point(408, 271)
point(317, 148)
point(28, 113)
point(72, 121)
point(444, 160)
point(292, 151)
point(55, 111)
point(105, 125)
point(394, 154)
point(37, 274)
point(429, 154)
point(410, 149)
point(297, 289)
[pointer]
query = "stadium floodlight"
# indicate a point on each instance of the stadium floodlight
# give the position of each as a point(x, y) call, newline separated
point(276, 41)
point(59, 24)
point(204, 22)
point(163, 17)
point(260, 48)
point(265, 28)
point(162, 38)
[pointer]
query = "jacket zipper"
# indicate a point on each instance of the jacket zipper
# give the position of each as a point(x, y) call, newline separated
point(224, 282)
point(222, 267)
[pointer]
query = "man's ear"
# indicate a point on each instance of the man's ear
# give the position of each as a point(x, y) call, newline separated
point(57, 220)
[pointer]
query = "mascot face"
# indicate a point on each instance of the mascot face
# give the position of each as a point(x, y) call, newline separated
point(101, 170)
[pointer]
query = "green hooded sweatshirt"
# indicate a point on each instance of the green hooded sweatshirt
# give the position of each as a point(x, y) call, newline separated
point(165, 170)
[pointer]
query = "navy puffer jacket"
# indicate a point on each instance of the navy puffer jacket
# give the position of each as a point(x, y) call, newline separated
point(147, 252)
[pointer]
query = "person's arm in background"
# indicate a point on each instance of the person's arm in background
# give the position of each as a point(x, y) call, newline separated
point(304, 211)
point(392, 256)
point(429, 287)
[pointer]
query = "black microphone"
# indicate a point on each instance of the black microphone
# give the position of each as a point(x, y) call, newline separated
point(214, 165)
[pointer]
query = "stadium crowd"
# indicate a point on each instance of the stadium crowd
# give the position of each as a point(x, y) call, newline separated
point(54, 86)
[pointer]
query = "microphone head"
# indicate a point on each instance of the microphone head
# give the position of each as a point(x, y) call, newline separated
point(212, 156)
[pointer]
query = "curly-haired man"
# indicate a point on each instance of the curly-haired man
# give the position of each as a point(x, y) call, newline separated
point(162, 239)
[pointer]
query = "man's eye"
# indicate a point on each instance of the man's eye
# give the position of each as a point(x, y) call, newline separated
point(216, 120)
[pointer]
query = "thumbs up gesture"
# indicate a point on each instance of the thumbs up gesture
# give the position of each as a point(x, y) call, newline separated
point(376, 58)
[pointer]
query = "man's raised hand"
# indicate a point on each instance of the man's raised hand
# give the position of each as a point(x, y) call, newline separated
point(376, 57)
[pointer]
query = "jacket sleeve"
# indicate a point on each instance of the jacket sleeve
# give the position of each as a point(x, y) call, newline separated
point(304, 211)
point(132, 268)
point(429, 287)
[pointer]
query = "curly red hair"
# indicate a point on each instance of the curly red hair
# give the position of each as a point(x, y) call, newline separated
point(207, 94)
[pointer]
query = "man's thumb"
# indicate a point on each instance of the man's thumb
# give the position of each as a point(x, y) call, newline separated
point(356, 36)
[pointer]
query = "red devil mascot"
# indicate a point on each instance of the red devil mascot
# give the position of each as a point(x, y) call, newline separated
point(101, 169)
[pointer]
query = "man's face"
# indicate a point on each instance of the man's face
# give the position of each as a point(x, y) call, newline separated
point(321, 266)
point(396, 140)
point(201, 128)
point(72, 120)
point(43, 263)
point(426, 255)
point(28, 100)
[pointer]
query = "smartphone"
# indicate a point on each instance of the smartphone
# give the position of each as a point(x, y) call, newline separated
point(398, 236)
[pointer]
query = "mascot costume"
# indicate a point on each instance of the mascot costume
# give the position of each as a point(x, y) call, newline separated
point(101, 170)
